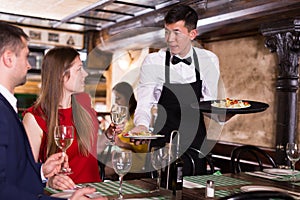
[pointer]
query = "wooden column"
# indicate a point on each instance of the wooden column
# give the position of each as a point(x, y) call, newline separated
point(283, 38)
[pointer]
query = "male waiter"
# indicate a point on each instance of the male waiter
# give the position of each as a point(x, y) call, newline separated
point(175, 78)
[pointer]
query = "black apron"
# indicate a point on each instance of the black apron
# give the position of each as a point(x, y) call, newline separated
point(175, 113)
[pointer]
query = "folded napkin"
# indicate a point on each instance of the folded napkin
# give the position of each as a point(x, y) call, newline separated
point(189, 184)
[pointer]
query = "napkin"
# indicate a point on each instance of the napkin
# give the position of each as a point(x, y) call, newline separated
point(189, 184)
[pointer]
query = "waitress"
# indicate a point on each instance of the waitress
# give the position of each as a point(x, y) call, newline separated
point(176, 78)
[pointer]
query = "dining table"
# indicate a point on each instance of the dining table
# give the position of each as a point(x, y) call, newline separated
point(194, 186)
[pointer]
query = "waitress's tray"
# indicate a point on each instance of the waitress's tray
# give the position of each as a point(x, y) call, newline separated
point(206, 106)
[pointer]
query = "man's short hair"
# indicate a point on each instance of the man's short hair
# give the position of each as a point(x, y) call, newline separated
point(11, 38)
point(185, 13)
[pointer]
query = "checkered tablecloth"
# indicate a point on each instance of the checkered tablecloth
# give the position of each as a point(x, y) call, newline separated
point(219, 180)
point(108, 188)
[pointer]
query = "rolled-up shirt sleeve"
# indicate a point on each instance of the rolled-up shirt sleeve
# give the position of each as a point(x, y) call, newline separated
point(210, 74)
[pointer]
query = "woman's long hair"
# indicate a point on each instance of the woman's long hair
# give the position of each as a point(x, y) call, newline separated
point(55, 68)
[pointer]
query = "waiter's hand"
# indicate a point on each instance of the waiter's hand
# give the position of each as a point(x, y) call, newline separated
point(220, 118)
point(139, 129)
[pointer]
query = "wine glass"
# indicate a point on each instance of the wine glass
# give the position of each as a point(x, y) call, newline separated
point(63, 136)
point(159, 156)
point(121, 162)
point(118, 116)
point(293, 154)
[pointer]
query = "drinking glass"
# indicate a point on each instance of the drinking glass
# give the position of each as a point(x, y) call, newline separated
point(121, 162)
point(159, 156)
point(118, 116)
point(63, 136)
point(293, 154)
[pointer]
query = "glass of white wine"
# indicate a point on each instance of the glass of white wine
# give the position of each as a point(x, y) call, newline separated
point(121, 162)
point(63, 136)
point(118, 116)
point(293, 154)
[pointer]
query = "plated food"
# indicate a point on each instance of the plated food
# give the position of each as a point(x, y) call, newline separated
point(142, 135)
point(231, 103)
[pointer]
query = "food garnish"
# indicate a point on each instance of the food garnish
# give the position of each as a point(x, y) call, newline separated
point(231, 103)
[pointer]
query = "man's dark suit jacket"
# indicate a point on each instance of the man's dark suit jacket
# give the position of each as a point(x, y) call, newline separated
point(19, 174)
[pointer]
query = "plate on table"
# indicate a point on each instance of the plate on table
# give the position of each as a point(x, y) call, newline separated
point(214, 107)
point(282, 172)
point(249, 188)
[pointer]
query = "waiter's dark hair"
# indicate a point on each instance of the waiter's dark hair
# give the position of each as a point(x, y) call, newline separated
point(185, 13)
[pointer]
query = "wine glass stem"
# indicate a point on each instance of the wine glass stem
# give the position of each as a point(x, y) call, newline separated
point(63, 163)
point(293, 170)
point(120, 188)
point(114, 136)
point(158, 179)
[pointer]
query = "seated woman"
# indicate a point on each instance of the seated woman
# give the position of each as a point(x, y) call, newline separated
point(62, 102)
point(124, 96)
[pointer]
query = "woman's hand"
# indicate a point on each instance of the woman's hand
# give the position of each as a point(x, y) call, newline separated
point(114, 129)
point(61, 182)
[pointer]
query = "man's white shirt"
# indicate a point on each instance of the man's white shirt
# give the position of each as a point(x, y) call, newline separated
point(152, 78)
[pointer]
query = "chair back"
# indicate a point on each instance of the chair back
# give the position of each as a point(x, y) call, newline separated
point(241, 153)
point(193, 156)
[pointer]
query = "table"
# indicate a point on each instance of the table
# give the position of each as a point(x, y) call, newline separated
point(236, 181)
point(224, 185)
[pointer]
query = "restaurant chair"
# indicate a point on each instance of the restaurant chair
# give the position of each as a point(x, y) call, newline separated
point(192, 156)
point(259, 195)
point(244, 157)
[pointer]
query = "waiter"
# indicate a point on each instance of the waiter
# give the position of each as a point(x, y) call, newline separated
point(174, 78)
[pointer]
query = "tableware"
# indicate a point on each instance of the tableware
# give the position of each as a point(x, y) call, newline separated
point(205, 106)
point(264, 175)
point(280, 172)
point(118, 116)
point(142, 137)
point(121, 162)
point(249, 188)
point(63, 136)
point(159, 156)
point(293, 154)
point(189, 184)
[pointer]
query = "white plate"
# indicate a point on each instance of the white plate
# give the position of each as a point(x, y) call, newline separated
point(249, 188)
point(282, 172)
point(144, 137)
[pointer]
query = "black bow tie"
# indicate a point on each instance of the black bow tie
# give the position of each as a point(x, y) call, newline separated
point(175, 60)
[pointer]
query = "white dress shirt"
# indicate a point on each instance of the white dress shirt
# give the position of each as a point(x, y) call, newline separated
point(9, 97)
point(152, 78)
